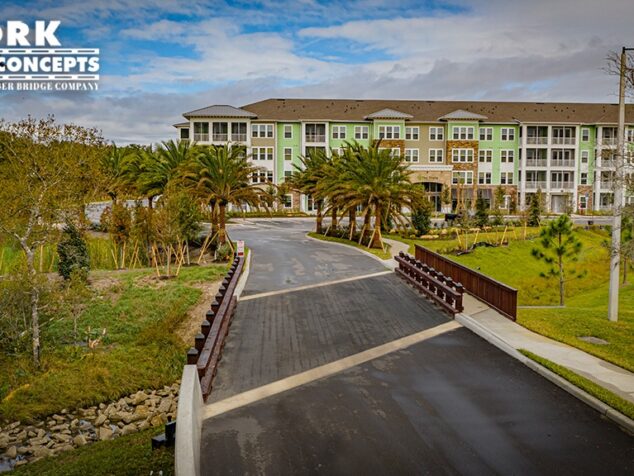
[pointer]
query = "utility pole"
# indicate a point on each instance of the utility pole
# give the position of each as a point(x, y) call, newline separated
point(615, 256)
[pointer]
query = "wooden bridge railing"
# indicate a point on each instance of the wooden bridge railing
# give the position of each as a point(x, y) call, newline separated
point(441, 289)
point(498, 295)
point(208, 344)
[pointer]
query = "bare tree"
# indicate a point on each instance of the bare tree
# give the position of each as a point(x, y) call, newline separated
point(45, 177)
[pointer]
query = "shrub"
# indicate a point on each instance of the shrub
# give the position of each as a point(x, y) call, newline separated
point(223, 252)
point(421, 218)
point(73, 253)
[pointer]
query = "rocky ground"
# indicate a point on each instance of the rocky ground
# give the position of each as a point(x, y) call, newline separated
point(25, 443)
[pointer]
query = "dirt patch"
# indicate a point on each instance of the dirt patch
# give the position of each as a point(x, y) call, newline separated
point(151, 281)
point(191, 326)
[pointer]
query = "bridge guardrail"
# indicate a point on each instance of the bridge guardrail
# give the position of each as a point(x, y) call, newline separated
point(209, 343)
point(441, 289)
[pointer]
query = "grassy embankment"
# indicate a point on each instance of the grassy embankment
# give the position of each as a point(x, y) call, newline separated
point(585, 313)
point(377, 252)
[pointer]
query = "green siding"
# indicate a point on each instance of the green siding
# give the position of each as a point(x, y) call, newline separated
point(337, 143)
point(282, 143)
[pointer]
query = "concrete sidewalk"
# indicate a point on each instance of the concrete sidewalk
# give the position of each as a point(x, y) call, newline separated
point(609, 376)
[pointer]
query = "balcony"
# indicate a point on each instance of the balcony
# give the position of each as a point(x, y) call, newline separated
point(609, 141)
point(535, 185)
point(562, 185)
point(238, 137)
point(564, 140)
point(220, 137)
point(315, 138)
point(200, 137)
point(608, 163)
point(606, 184)
point(562, 162)
point(537, 140)
point(536, 162)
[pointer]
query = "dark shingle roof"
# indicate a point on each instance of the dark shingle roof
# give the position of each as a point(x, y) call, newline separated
point(431, 111)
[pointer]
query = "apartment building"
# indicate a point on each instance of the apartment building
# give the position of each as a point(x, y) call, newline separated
point(472, 149)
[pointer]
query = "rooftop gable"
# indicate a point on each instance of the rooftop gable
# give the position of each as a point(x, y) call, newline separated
point(461, 114)
point(388, 113)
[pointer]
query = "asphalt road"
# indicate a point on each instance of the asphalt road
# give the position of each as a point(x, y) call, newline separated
point(451, 404)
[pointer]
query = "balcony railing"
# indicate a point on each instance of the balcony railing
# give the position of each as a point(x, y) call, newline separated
point(608, 163)
point(220, 137)
point(238, 137)
point(562, 163)
point(609, 141)
point(536, 162)
point(556, 184)
point(537, 140)
point(535, 184)
point(564, 140)
point(315, 138)
point(201, 137)
point(606, 184)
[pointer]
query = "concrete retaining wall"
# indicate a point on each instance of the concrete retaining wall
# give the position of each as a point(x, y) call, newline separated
point(188, 425)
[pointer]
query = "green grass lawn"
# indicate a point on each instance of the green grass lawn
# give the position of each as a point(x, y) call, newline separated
point(585, 313)
point(127, 455)
point(607, 397)
point(139, 350)
point(380, 253)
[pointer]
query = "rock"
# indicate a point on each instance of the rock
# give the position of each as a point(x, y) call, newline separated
point(39, 441)
point(126, 430)
point(32, 434)
point(105, 433)
point(130, 417)
point(4, 441)
point(40, 451)
point(74, 423)
point(62, 437)
point(64, 411)
point(117, 416)
point(165, 405)
point(19, 463)
point(62, 448)
point(11, 453)
point(22, 435)
point(101, 419)
point(80, 440)
point(102, 406)
point(41, 433)
point(59, 418)
point(62, 427)
point(12, 426)
point(158, 420)
point(139, 398)
point(85, 425)
point(22, 450)
point(141, 412)
point(144, 425)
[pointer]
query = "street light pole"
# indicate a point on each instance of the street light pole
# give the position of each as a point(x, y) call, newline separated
point(615, 255)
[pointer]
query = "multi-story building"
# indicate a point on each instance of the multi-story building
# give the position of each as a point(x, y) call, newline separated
point(565, 150)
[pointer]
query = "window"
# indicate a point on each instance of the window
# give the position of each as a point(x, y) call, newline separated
point(463, 133)
point(394, 151)
point(464, 177)
point(201, 131)
point(436, 133)
point(288, 174)
point(262, 177)
point(411, 155)
point(288, 131)
point(262, 153)
point(262, 130)
point(288, 153)
point(338, 132)
point(583, 178)
point(485, 155)
point(585, 134)
point(506, 156)
point(219, 132)
point(412, 133)
point(315, 133)
point(584, 156)
point(583, 202)
point(462, 155)
point(506, 178)
point(436, 155)
point(484, 178)
point(389, 132)
point(361, 132)
point(508, 133)
point(486, 133)
point(629, 135)
point(288, 201)
point(184, 133)
point(239, 131)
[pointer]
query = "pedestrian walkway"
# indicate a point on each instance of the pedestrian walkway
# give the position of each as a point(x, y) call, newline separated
point(605, 374)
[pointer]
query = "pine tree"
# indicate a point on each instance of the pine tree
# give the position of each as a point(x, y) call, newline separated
point(73, 253)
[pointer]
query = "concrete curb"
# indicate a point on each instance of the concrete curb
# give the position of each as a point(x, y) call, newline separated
point(607, 411)
point(189, 426)
point(388, 263)
point(242, 281)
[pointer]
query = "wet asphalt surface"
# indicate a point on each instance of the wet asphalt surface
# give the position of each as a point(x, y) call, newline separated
point(452, 404)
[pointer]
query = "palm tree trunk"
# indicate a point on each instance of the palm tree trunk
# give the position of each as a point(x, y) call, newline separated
point(376, 236)
point(222, 236)
point(352, 218)
point(319, 217)
point(366, 224)
point(333, 219)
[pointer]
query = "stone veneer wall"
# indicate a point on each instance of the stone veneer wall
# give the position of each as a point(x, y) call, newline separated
point(466, 166)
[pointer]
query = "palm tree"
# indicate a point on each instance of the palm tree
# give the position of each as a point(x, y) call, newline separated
point(307, 177)
point(380, 183)
point(221, 175)
point(114, 166)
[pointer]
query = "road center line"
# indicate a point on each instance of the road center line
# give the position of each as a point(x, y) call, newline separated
point(311, 286)
point(288, 383)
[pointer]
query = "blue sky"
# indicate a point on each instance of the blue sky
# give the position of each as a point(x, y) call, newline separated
point(160, 58)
